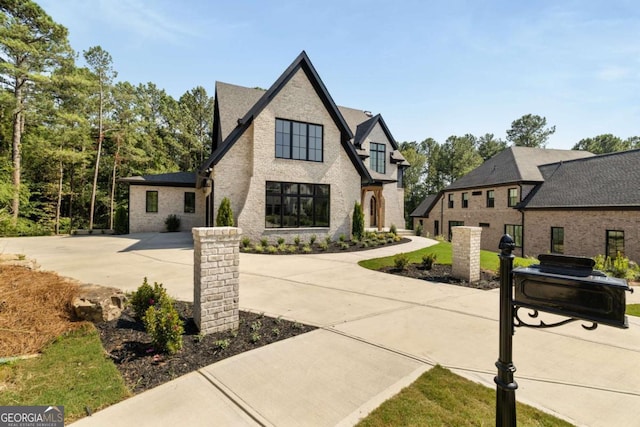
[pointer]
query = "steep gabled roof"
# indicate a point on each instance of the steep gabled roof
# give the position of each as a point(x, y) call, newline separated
point(513, 165)
point(174, 179)
point(230, 132)
point(425, 206)
point(608, 180)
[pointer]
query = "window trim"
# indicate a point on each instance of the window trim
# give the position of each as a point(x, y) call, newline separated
point(298, 196)
point(378, 156)
point(512, 200)
point(450, 201)
point(491, 198)
point(290, 146)
point(607, 243)
point(465, 200)
point(193, 210)
point(554, 240)
point(148, 202)
point(517, 239)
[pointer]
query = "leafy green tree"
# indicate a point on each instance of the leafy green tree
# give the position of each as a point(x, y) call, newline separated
point(357, 227)
point(32, 45)
point(459, 157)
point(196, 126)
point(489, 146)
point(601, 144)
point(634, 142)
point(101, 64)
point(225, 214)
point(414, 177)
point(530, 131)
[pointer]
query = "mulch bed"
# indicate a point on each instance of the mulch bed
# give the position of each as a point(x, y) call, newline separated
point(142, 368)
point(334, 247)
point(442, 274)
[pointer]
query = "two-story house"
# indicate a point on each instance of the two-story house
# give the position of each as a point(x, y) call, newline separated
point(290, 160)
point(549, 201)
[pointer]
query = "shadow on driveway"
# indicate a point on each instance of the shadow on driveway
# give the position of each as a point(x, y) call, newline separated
point(150, 241)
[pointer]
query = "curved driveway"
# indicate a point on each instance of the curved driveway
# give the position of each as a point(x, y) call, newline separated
point(378, 332)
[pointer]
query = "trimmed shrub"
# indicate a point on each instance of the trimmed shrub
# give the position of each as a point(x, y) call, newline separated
point(400, 261)
point(146, 296)
point(428, 260)
point(245, 242)
point(172, 223)
point(280, 240)
point(393, 229)
point(163, 324)
point(225, 214)
point(313, 239)
point(419, 230)
point(121, 221)
point(357, 227)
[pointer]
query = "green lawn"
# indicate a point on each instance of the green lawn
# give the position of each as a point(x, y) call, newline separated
point(72, 371)
point(488, 260)
point(633, 310)
point(441, 398)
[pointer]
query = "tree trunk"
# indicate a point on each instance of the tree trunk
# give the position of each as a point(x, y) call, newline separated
point(59, 203)
point(95, 174)
point(18, 119)
point(113, 180)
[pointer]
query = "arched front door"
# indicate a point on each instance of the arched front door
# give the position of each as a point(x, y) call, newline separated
point(373, 212)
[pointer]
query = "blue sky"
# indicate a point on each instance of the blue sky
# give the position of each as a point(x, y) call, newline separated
point(431, 68)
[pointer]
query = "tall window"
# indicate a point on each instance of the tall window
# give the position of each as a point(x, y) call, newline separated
point(615, 243)
point(450, 201)
point(454, 224)
point(377, 153)
point(400, 177)
point(513, 197)
point(557, 240)
point(298, 141)
point(152, 201)
point(189, 202)
point(292, 205)
point(465, 200)
point(514, 231)
point(490, 198)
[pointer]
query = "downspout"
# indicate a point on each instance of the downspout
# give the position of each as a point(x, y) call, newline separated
point(522, 222)
point(441, 214)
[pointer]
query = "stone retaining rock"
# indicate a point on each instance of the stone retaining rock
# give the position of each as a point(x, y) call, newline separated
point(97, 303)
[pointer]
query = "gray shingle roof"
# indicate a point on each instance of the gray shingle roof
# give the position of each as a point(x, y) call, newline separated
point(608, 180)
point(175, 179)
point(514, 164)
point(425, 206)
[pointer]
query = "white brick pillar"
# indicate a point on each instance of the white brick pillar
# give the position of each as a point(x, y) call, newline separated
point(216, 278)
point(466, 253)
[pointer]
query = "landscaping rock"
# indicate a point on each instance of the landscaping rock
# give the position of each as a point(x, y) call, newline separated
point(19, 260)
point(98, 303)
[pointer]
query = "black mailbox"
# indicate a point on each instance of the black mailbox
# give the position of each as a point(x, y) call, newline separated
point(569, 286)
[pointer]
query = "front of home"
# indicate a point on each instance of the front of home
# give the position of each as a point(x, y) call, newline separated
point(549, 201)
point(291, 162)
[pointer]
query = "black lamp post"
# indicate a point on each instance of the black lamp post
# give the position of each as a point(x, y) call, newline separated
point(506, 386)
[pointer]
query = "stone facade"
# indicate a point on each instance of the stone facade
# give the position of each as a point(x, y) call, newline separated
point(243, 172)
point(465, 260)
point(170, 201)
point(216, 278)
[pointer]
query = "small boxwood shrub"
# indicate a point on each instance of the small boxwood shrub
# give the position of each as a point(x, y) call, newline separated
point(428, 260)
point(172, 222)
point(225, 214)
point(163, 324)
point(146, 296)
point(393, 229)
point(400, 261)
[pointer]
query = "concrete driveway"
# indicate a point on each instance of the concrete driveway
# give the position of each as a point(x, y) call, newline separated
point(378, 332)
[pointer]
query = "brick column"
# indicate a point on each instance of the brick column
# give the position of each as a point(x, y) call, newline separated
point(216, 278)
point(466, 253)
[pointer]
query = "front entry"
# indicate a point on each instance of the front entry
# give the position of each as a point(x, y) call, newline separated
point(373, 212)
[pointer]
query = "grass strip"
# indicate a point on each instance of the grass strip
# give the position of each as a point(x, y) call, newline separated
point(633, 310)
point(441, 398)
point(72, 371)
point(488, 260)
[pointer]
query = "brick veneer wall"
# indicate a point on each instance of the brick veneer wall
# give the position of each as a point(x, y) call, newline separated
point(584, 231)
point(465, 261)
point(216, 278)
point(170, 201)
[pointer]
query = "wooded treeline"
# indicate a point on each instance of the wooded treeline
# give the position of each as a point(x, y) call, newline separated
point(68, 132)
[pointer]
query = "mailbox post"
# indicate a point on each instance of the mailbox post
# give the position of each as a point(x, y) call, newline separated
point(562, 285)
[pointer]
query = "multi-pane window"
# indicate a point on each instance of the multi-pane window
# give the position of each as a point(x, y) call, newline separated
point(514, 231)
point(450, 201)
point(298, 141)
point(615, 243)
point(513, 197)
point(490, 198)
point(400, 177)
point(557, 240)
point(377, 159)
point(152, 201)
point(189, 202)
point(292, 205)
point(465, 200)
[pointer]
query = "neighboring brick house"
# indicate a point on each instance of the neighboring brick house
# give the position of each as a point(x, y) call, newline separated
point(550, 201)
point(291, 162)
